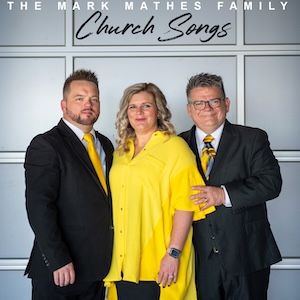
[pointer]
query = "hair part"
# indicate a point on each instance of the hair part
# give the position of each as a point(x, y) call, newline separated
point(80, 74)
point(124, 129)
point(205, 80)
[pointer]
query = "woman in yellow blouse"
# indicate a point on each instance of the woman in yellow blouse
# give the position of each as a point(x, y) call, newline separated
point(152, 172)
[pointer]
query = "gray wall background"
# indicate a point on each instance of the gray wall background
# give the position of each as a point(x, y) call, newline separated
point(259, 60)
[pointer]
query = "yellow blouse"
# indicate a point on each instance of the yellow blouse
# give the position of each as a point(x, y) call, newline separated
point(146, 191)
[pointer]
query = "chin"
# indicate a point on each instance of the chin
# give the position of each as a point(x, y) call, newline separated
point(88, 121)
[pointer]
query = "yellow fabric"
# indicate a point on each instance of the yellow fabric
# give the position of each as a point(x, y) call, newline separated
point(146, 191)
point(95, 159)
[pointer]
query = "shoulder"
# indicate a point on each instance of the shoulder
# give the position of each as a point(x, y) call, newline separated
point(178, 147)
point(46, 136)
point(105, 141)
point(43, 148)
point(178, 140)
point(245, 131)
point(186, 134)
point(54, 138)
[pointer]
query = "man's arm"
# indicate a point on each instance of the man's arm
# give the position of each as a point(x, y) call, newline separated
point(264, 181)
point(42, 175)
point(262, 184)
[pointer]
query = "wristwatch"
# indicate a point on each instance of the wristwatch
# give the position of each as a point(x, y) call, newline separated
point(174, 252)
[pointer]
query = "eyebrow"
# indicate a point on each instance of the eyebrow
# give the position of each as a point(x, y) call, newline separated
point(80, 95)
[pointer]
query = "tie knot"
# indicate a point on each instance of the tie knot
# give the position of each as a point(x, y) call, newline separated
point(208, 139)
point(88, 137)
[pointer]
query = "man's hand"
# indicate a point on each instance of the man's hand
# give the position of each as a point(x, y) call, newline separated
point(65, 275)
point(210, 195)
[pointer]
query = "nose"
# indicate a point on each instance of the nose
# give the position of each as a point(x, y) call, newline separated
point(207, 105)
point(139, 109)
point(88, 102)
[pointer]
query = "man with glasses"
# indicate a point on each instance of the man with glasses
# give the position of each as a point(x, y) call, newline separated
point(234, 246)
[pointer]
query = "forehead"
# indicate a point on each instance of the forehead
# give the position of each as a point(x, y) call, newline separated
point(83, 85)
point(205, 92)
point(142, 97)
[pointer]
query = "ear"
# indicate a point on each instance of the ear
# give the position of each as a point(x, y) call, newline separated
point(63, 105)
point(227, 104)
point(188, 109)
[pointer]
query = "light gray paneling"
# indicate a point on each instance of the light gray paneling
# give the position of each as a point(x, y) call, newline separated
point(278, 25)
point(14, 286)
point(171, 74)
point(32, 79)
point(15, 232)
point(154, 23)
point(271, 88)
point(32, 89)
point(284, 211)
point(32, 23)
point(284, 284)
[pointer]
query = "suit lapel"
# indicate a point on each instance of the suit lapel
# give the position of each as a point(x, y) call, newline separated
point(193, 146)
point(223, 149)
point(79, 150)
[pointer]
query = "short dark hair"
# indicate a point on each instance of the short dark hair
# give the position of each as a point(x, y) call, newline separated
point(80, 74)
point(205, 80)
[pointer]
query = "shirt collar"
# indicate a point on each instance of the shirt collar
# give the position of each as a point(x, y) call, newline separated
point(200, 135)
point(79, 133)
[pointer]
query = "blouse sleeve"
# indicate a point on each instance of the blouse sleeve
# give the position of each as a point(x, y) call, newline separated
point(181, 192)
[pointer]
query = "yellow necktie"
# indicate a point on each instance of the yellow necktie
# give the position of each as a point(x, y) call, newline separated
point(95, 159)
point(208, 155)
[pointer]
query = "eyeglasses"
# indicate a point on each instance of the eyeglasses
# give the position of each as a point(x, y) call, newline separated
point(201, 104)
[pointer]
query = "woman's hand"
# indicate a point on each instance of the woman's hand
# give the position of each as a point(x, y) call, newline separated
point(168, 270)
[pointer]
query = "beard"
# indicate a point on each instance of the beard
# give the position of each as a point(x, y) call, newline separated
point(78, 119)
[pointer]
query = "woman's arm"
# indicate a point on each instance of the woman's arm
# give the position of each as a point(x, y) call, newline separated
point(169, 265)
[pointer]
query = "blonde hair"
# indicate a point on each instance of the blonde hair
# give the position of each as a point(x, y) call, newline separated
point(124, 129)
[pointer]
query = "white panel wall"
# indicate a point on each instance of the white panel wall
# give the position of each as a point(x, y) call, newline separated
point(258, 57)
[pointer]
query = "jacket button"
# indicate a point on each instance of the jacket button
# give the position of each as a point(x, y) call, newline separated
point(215, 250)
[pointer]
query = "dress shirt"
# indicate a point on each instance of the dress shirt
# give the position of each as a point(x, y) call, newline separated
point(200, 135)
point(79, 133)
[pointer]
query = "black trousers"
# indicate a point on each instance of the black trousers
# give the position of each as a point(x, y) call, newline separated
point(144, 290)
point(47, 290)
point(215, 283)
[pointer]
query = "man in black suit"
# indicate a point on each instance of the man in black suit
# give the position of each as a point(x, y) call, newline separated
point(68, 208)
point(234, 245)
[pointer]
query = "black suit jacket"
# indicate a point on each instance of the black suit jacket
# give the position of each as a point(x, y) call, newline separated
point(67, 207)
point(246, 166)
